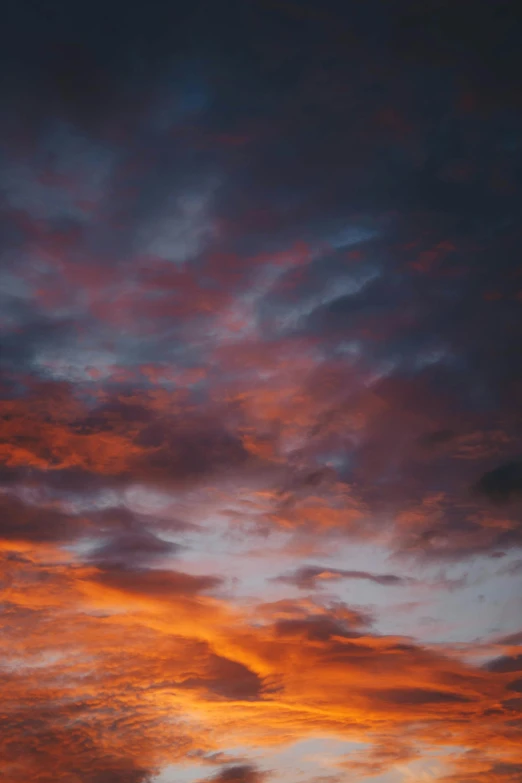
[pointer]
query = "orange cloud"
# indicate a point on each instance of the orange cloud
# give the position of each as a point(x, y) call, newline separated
point(123, 671)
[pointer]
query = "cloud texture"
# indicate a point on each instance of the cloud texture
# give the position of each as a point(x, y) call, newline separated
point(260, 379)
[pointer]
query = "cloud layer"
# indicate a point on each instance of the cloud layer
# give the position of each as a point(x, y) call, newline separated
point(260, 436)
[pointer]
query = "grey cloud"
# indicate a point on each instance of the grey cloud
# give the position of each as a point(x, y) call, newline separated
point(502, 484)
point(310, 577)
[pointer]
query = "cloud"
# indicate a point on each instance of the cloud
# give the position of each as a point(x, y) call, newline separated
point(150, 670)
point(133, 548)
point(502, 484)
point(154, 582)
point(413, 696)
point(131, 438)
point(310, 577)
point(379, 758)
point(475, 767)
point(46, 742)
point(21, 522)
point(228, 679)
point(247, 281)
point(182, 234)
point(506, 664)
point(239, 773)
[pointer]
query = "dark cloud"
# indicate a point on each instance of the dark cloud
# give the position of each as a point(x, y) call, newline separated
point(22, 522)
point(239, 773)
point(323, 627)
point(33, 336)
point(79, 70)
point(127, 541)
point(412, 696)
point(46, 742)
point(437, 438)
point(449, 533)
point(227, 679)
point(512, 638)
point(473, 766)
point(516, 685)
point(310, 577)
point(187, 449)
point(147, 443)
point(502, 484)
point(158, 583)
point(260, 263)
point(506, 664)
point(133, 548)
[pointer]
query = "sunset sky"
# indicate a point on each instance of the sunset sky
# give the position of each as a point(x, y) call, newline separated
point(261, 391)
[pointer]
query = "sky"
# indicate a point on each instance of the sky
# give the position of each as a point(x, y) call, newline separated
point(261, 392)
